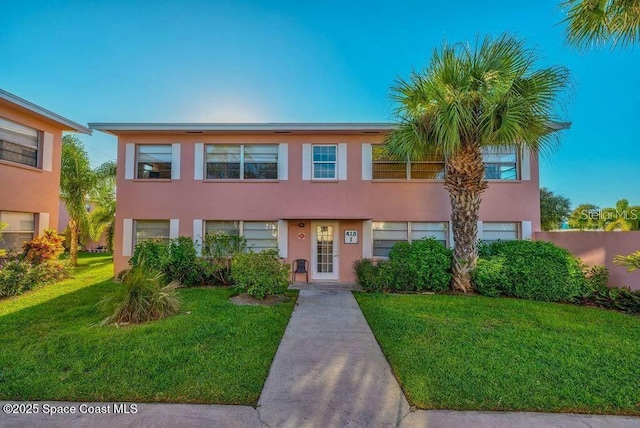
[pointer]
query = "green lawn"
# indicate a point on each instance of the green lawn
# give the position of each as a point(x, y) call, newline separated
point(459, 352)
point(212, 352)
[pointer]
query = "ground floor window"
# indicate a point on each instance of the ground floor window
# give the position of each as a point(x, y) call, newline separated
point(146, 230)
point(500, 231)
point(387, 233)
point(20, 229)
point(260, 235)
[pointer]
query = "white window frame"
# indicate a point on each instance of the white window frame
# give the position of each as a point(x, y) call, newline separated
point(518, 163)
point(163, 238)
point(11, 128)
point(12, 230)
point(314, 162)
point(242, 161)
point(407, 168)
point(241, 229)
point(409, 230)
point(518, 230)
point(137, 162)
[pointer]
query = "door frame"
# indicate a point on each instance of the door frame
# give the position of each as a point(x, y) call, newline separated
point(335, 275)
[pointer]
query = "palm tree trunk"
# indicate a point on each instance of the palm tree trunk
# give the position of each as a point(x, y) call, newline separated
point(73, 245)
point(465, 182)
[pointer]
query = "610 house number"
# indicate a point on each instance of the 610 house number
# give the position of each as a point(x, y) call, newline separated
point(350, 236)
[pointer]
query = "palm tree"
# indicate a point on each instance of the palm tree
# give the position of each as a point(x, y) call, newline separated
point(102, 219)
point(76, 183)
point(623, 217)
point(601, 22)
point(469, 98)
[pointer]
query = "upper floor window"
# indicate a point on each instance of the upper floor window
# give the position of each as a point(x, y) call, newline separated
point(152, 229)
point(18, 143)
point(500, 163)
point(20, 229)
point(500, 231)
point(386, 168)
point(241, 162)
point(153, 161)
point(325, 162)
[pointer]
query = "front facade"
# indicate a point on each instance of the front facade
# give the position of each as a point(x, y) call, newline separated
point(320, 192)
point(30, 147)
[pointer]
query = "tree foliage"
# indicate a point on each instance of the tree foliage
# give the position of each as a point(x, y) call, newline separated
point(585, 216)
point(554, 209)
point(602, 22)
point(487, 94)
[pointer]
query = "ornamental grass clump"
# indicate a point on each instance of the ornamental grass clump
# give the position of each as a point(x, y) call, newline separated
point(143, 296)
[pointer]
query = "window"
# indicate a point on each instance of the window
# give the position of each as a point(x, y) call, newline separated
point(500, 163)
point(386, 168)
point(241, 162)
point(18, 143)
point(152, 229)
point(324, 162)
point(499, 231)
point(20, 229)
point(260, 235)
point(386, 234)
point(154, 161)
point(439, 231)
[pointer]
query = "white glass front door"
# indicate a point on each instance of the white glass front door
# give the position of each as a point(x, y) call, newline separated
point(325, 251)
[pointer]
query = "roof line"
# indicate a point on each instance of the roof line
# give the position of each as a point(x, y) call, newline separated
point(21, 102)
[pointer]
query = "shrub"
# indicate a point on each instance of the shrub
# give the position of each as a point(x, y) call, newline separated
point(597, 277)
point(631, 262)
point(259, 274)
point(218, 249)
point(143, 296)
point(423, 265)
point(47, 246)
point(488, 277)
point(152, 253)
point(179, 263)
point(18, 275)
point(620, 299)
point(533, 270)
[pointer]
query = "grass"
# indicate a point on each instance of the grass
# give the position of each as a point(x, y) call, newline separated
point(459, 352)
point(211, 352)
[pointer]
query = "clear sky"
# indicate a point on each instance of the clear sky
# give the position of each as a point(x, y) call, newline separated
point(304, 61)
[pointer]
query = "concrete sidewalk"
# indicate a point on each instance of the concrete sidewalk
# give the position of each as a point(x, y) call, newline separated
point(328, 372)
point(329, 369)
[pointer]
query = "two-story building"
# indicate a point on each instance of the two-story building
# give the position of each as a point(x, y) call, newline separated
point(30, 147)
point(321, 192)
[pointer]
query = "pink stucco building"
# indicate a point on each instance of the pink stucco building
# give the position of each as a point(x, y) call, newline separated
point(320, 192)
point(30, 146)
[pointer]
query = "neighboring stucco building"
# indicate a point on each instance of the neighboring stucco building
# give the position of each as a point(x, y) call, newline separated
point(320, 192)
point(30, 147)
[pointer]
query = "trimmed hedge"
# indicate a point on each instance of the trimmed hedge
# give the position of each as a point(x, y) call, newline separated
point(423, 265)
point(530, 270)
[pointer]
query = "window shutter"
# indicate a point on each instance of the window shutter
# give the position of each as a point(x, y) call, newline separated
point(47, 151)
point(367, 239)
point(198, 237)
point(198, 167)
point(43, 222)
point(450, 234)
point(525, 164)
point(127, 237)
point(174, 228)
point(129, 161)
point(283, 161)
point(175, 161)
point(342, 161)
point(479, 230)
point(283, 238)
point(526, 230)
point(306, 161)
point(367, 160)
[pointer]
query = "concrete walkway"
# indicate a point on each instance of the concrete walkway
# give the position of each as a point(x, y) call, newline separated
point(328, 372)
point(329, 369)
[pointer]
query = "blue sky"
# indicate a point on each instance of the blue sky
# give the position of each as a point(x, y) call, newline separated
point(304, 61)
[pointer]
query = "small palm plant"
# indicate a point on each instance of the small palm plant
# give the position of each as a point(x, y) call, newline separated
point(631, 262)
point(143, 296)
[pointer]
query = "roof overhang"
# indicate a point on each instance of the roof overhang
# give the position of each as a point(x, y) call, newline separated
point(244, 128)
point(22, 104)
